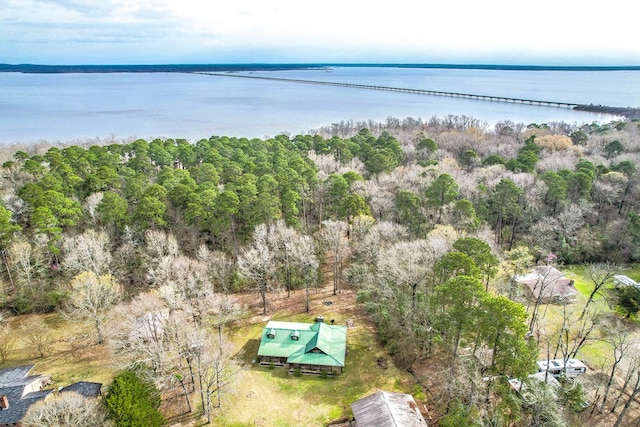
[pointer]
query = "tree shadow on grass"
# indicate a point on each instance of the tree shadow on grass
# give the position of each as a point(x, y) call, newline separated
point(248, 354)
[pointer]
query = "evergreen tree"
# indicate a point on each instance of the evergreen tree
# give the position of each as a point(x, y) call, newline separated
point(133, 401)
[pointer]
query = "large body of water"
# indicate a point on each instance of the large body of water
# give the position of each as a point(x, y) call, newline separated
point(70, 107)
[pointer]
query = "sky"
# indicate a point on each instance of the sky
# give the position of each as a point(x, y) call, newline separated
point(541, 32)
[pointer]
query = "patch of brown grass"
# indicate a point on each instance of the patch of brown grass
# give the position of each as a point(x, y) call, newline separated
point(70, 353)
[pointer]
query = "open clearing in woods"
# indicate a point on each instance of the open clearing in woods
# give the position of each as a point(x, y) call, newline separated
point(272, 397)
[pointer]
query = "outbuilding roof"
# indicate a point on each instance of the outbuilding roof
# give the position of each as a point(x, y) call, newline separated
point(305, 343)
point(546, 282)
point(622, 280)
point(387, 409)
point(84, 388)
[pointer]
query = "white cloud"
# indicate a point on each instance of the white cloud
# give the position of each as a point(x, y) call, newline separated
point(402, 30)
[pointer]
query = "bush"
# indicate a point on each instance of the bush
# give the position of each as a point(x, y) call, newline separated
point(572, 396)
point(626, 300)
point(20, 305)
point(54, 299)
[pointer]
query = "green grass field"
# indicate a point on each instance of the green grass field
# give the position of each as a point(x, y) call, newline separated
point(596, 352)
point(272, 397)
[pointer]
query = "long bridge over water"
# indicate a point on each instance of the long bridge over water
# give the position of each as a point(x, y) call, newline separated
point(406, 90)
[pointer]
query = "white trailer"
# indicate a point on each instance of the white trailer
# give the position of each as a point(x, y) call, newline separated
point(556, 367)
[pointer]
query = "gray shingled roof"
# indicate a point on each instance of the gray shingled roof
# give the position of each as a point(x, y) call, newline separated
point(387, 409)
point(15, 375)
point(18, 405)
point(84, 388)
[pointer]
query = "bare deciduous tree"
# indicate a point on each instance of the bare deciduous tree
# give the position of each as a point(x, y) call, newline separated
point(224, 309)
point(295, 257)
point(214, 371)
point(27, 263)
point(632, 366)
point(256, 264)
point(37, 336)
point(180, 351)
point(68, 409)
point(367, 239)
point(185, 285)
point(632, 397)
point(220, 266)
point(408, 265)
point(333, 238)
point(91, 297)
point(182, 339)
point(308, 265)
point(91, 203)
point(7, 340)
point(619, 338)
point(160, 244)
point(137, 332)
point(89, 251)
point(600, 274)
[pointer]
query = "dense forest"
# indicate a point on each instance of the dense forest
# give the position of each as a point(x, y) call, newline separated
point(428, 220)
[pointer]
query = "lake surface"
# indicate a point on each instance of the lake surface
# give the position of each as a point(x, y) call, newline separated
point(70, 107)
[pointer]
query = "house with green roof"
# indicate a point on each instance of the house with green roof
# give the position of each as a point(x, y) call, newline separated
point(313, 348)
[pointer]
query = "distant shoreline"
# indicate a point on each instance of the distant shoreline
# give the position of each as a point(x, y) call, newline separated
point(190, 68)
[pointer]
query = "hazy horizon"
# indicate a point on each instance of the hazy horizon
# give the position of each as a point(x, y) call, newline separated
point(301, 65)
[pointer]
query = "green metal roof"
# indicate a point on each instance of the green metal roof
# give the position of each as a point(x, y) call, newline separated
point(317, 343)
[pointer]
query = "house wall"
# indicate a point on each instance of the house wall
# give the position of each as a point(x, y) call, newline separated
point(268, 360)
point(315, 369)
point(35, 385)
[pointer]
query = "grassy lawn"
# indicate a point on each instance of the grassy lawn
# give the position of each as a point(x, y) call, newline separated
point(272, 397)
point(70, 355)
point(596, 353)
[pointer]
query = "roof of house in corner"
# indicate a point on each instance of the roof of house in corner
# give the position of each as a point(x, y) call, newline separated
point(15, 375)
point(317, 344)
point(387, 409)
point(12, 385)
